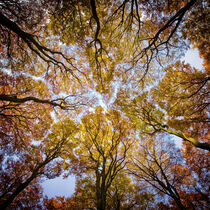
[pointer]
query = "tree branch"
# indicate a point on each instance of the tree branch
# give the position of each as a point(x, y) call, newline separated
point(40, 50)
point(63, 104)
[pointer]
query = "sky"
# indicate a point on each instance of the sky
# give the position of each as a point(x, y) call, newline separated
point(192, 57)
point(65, 187)
point(59, 186)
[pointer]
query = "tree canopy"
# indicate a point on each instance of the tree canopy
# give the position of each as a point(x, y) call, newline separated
point(98, 89)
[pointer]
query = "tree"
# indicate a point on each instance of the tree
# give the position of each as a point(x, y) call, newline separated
point(154, 163)
point(122, 194)
point(125, 24)
point(183, 93)
point(148, 29)
point(10, 21)
point(196, 31)
point(103, 146)
point(30, 197)
point(17, 173)
point(198, 193)
point(30, 69)
point(29, 88)
point(170, 108)
point(84, 196)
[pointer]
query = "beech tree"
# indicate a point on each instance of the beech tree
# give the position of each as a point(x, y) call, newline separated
point(103, 148)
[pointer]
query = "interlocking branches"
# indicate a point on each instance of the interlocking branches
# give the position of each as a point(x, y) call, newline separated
point(195, 90)
point(197, 83)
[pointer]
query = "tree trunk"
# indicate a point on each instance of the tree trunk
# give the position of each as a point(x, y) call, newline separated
point(101, 199)
point(118, 204)
point(179, 203)
point(100, 196)
point(19, 189)
point(22, 186)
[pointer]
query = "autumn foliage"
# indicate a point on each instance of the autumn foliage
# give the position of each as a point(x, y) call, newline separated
point(99, 90)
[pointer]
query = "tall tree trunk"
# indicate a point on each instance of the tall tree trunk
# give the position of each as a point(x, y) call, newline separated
point(101, 201)
point(100, 195)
